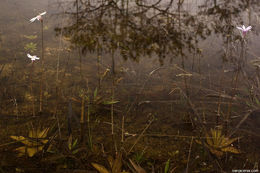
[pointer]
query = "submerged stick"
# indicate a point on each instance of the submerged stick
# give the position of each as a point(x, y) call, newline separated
point(141, 135)
point(187, 167)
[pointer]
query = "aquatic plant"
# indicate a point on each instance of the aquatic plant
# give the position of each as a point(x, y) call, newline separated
point(33, 58)
point(115, 165)
point(72, 145)
point(38, 17)
point(33, 143)
point(67, 156)
point(167, 166)
point(30, 37)
point(31, 47)
point(244, 29)
point(218, 143)
point(137, 168)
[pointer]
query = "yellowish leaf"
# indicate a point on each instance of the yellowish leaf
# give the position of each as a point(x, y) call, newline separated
point(43, 133)
point(100, 168)
point(18, 138)
point(28, 143)
point(209, 140)
point(32, 151)
point(138, 169)
point(21, 151)
point(117, 164)
point(231, 150)
point(110, 160)
point(216, 152)
point(227, 141)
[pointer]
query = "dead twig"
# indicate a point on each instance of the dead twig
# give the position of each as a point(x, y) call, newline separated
point(141, 135)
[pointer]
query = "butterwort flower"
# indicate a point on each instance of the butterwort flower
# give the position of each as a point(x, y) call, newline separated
point(39, 17)
point(244, 29)
point(33, 58)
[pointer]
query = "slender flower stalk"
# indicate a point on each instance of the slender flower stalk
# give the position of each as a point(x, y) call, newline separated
point(40, 18)
point(42, 70)
point(33, 58)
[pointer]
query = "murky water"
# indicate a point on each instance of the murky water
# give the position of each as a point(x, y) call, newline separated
point(174, 80)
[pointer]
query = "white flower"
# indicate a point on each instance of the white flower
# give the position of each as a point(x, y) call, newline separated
point(39, 17)
point(33, 58)
point(244, 29)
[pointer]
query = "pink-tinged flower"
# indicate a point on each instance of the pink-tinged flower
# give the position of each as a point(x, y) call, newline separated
point(33, 58)
point(39, 17)
point(244, 29)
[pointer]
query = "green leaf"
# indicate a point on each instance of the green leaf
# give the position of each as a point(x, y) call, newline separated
point(31, 47)
point(75, 143)
point(70, 142)
point(257, 101)
point(30, 37)
point(75, 151)
point(95, 93)
point(167, 166)
point(110, 102)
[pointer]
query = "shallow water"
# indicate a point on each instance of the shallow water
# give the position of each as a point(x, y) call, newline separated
point(171, 91)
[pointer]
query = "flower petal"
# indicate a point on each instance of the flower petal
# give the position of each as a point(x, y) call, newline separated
point(248, 28)
point(29, 56)
point(239, 28)
point(43, 13)
point(33, 19)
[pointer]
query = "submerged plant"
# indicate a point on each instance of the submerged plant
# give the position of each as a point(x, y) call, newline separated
point(115, 165)
point(31, 47)
point(137, 168)
point(33, 143)
point(30, 37)
point(218, 143)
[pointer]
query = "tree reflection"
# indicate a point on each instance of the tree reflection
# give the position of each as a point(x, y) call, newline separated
point(144, 28)
point(135, 28)
point(224, 16)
